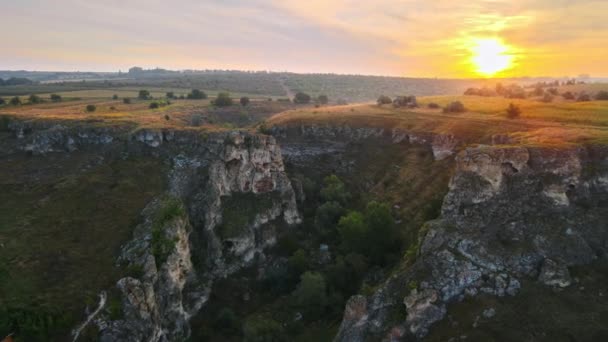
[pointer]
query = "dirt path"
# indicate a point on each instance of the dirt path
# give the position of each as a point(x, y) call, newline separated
point(102, 302)
point(290, 94)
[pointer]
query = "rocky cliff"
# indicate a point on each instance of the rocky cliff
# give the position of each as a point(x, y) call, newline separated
point(511, 213)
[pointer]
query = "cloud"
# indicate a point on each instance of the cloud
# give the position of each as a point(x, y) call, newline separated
point(399, 37)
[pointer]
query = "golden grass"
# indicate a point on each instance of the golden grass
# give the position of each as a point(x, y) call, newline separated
point(540, 123)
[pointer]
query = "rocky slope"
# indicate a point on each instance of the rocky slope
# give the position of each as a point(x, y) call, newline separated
point(512, 213)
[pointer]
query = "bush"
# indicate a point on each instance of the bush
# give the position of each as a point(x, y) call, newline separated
point(455, 107)
point(223, 100)
point(244, 101)
point(328, 215)
point(334, 190)
point(196, 119)
point(126, 100)
point(227, 322)
point(433, 105)
point(196, 94)
point(91, 108)
point(322, 99)
point(602, 95)
point(154, 105)
point(55, 98)
point(298, 263)
point(553, 91)
point(15, 101)
point(311, 295)
point(170, 95)
point(547, 98)
point(301, 98)
point(2, 101)
point(34, 99)
point(353, 232)
point(405, 101)
point(114, 97)
point(513, 111)
point(143, 95)
point(261, 329)
point(583, 97)
point(568, 96)
point(382, 100)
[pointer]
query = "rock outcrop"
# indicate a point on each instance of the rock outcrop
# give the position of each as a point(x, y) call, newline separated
point(511, 213)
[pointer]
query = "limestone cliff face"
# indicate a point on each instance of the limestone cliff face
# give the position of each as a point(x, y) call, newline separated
point(511, 213)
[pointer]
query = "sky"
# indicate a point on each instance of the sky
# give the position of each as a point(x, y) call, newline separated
point(432, 38)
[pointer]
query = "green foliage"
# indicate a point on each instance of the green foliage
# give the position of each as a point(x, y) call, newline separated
point(328, 215)
point(197, 94)
point(298, 263)
point(34, 99)
point(301, 98)
point(143, 94)
point(513, 111)
point(55, 98)
point(227, 322)
point(311, 295)
point(170, 95)
point(114, 307)
point(434, 105)
point(91, 108)
point(383, 99)
point(154, 105)
point(223, 99)
point(15, 101)
point(353, 232)
point(322, 99)
point(455, 107)
point(196, 119)
point(262, 329)
point(162, 245)
point(32, 324)
point(244, 101)
point(345, 274)
point(335, 190)
point(239, 210)
point(2, 101)
point(126, 100)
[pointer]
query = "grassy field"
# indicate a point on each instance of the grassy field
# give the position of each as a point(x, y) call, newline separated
point(540, 123)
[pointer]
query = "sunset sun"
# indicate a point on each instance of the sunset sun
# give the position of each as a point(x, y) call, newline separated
point(490, 56)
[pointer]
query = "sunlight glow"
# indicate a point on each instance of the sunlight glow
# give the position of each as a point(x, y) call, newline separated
point(490, 56)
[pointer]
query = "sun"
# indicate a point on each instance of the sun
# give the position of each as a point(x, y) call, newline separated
point(490, 56)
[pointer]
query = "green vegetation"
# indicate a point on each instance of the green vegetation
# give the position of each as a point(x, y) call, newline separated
point(126, 100)
point(311, 295)
point(301, 98)
point(239, 210)
point(383, 99)
point(161, 244)
point(223, 99)
point(513, 111)
point(34, 99)
point(91, 108)
point(455, 107)
point(15, 101)
point(56, 98)
point(143, 94)
point(244, 101)
point(322, 99)
point(262, 329)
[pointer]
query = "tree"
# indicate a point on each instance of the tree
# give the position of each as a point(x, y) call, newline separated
point(91, 108)
point(196, 94)
point(55, 98)
point(301, 98)
point(513, 111)
point(334, 190)
point(323, 99)
point(114, 97)
point(455, 107)
point(126, 100)
point(311, 294)
point(583, 97)
point(328, 215)
point(227, 322)
point(298, 263)
point(433, 105)
point(2, 101)
point(353, 232)
point(154, 105)
point(223, 100)
point(170, 95)
point(262, 329)
point(568, 96)
point(382, 100)
point(15, 101)
point(602, 95)
point(143, 95)
point(34, 99)
point(244, 101)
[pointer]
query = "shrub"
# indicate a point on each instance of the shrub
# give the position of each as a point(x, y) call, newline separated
point(170, 95)
point(327, 216)
point(112, 108)
point(261, 329)
point(553, 91)
point(2, 101)
point(455, 107)
point(322, 99)
point(311, 295)
point(91, 108)
point(114, 97)
point(196, 119)
point(353, 232)
point(196, 94)
point(244, 101)
point(227, 322)
point(167, 117)
point(126, 100)
point(513, 111)
point(55, 98)
point(568, 96)
point(405, 101)
point(298, 263)
point(334, 190)
point(382, 100)
point(547, 98)
point(143, 95)
point(15, 101)
point(602, 95)
point(583, 97)
point(301, 98)
point(433, 105)
point(223, 100)
point(34, 99)
point(154, 105)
